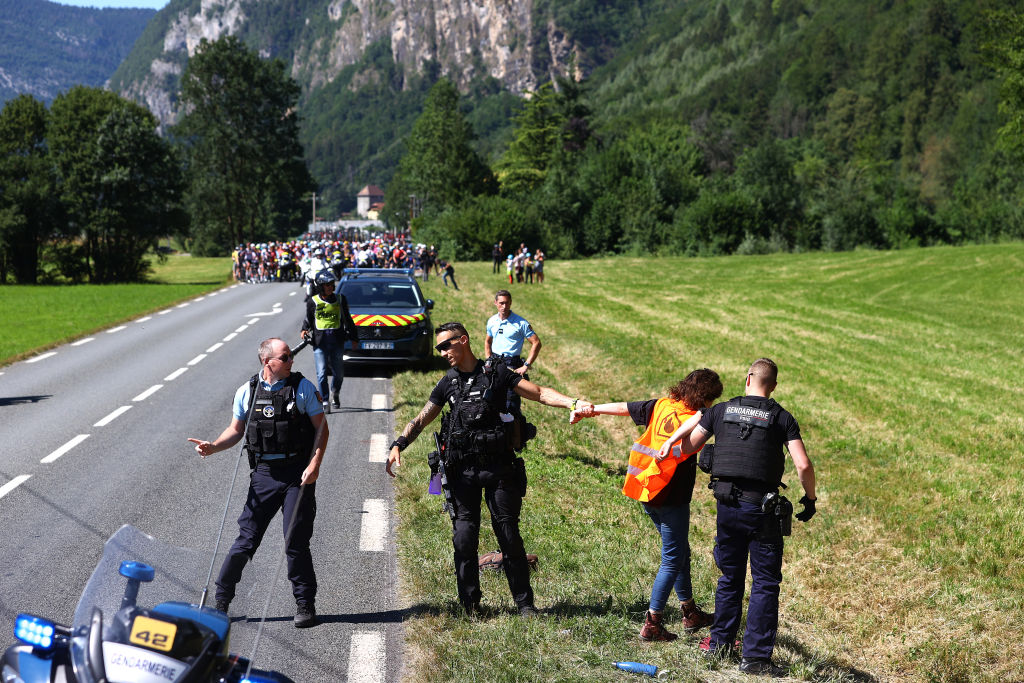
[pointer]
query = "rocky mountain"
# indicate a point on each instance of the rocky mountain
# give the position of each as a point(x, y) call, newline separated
point(45, 48)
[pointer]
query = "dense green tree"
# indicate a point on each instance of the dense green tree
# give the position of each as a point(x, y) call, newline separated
point(28, 207)
point(538, 130)
point(440, 168)
point(247, 177)
point(118, 182)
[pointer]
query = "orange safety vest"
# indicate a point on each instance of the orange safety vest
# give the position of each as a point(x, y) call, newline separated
point(645, 476)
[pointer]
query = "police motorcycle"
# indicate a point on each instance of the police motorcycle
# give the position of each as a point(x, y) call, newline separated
point(113, 638)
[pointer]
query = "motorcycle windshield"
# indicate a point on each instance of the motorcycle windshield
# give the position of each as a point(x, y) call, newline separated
point(179, 575)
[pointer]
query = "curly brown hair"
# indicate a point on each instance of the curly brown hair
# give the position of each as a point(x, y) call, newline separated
point(697, 389)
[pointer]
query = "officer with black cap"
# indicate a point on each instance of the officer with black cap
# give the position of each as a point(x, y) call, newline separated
point(478, 456)
point(328, 324)
point(746, 473)
point(286, 436)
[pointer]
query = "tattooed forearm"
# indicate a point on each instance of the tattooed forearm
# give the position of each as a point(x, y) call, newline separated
point(416, 425)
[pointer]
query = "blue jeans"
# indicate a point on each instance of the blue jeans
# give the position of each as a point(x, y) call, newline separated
point(673, 523)
point(329, 352)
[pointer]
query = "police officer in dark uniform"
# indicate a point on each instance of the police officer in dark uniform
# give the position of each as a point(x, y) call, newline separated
point(746, 473)
point(285, 437)
point(479, 457)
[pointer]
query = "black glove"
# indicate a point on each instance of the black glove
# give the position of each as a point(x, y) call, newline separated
point(809, 509)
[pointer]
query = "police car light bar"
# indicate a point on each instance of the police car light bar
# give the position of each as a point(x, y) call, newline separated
point(35, 631)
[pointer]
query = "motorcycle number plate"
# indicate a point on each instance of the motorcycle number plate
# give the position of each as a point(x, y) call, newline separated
point(153, 633)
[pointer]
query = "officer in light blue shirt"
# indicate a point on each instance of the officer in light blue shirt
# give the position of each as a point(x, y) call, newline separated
point(507, 333)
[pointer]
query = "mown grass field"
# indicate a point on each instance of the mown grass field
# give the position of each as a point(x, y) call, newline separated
point(903, 370)
point(38, 317)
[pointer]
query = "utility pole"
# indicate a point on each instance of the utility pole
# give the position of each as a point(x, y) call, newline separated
point(313, 224)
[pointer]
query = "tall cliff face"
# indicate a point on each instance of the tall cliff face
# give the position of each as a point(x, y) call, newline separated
point(467, 39)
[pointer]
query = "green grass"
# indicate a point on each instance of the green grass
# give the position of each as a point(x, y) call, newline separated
point(37, 317)
point(901, 368)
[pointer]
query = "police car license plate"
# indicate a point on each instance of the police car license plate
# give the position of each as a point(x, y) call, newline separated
point(376, 345)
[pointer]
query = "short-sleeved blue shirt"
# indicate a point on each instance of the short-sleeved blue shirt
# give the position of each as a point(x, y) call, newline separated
point(508, 335)
point(305, 398)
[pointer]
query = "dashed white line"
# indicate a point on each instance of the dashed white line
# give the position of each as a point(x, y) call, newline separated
point(213, 294)
point(366, 659)
point(379, 402)
point(243, 328)
point(113, 416)
point(197, 359)
point(215, 347)
point(116, 329)
point(164, 312)
point(279, 304)
point(13, 484)
point(182, 305)
point(378, 448)
point(175, 375)
point(41, 357)
point(254, 321)
point(83, 341)
point(65, 448)
point(199, 299)
point(374, 529)
point(148, 392)
point(292, 293)
point(230, 336)
point(142, 320)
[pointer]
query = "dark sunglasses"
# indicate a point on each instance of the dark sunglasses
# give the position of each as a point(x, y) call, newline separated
point(447, 343)
point(285, 358)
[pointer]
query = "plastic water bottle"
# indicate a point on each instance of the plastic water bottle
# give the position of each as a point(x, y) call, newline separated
point(435, 484)
point(638, 668)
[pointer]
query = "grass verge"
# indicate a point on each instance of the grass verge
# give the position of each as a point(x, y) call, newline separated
point(38, 317)
point(900, 367)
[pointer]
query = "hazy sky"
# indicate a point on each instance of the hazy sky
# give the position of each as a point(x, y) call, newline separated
point(151, 4)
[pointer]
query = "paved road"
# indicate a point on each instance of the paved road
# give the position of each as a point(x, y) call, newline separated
point(94, 437)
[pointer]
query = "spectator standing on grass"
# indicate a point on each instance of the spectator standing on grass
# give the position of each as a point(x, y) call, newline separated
point(663, 483)
point(479, 458)
point(496, 251)
point(449, 273)
point(538, 267)
point(508, 267)
point(750, 432)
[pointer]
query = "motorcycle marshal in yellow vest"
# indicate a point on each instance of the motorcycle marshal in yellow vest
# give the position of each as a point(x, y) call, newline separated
point(327, 315)
point(645, 476)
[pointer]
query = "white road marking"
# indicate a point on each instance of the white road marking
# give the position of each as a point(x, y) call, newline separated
point(379, 402)
point(241, 329)
point(378, 448)
point(65, 448)
point(175, 375)
point(213, 294)
point(232, 286)
point(148, 392)
point(293, 294)
point(116, 329)
point(366, 659)
point(197, 359)
point(142, 320)
point(374, 530)
point(113, 416)
point(182, 305)
point(13, 484)
point(256, 320)
point(215, 347)
point(41, 357)
point(200, 298)
point(83, 341)
point(230, 336)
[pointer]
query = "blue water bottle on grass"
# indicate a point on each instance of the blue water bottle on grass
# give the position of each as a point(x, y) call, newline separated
point(638, 668)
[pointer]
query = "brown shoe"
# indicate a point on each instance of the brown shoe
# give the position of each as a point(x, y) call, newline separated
point(694, 618)
point(653, 630)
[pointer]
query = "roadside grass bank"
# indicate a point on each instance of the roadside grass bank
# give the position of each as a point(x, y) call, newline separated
point(901, 368)
point(39, 317)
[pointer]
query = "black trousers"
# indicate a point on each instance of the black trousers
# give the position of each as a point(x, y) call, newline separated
point(275, 486)
point(504, 500)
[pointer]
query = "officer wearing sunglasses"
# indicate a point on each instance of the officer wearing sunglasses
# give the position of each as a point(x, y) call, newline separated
point(478, 458)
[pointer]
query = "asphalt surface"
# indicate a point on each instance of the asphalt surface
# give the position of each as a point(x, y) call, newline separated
point(110, 418)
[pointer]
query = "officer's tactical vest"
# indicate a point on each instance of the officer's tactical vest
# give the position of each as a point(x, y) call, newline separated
point(327, 315)
point(276, 425)
point(748, 447)
point(645, 476)
point(476, 427)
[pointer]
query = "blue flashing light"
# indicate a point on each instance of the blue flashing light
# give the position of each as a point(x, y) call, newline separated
point(140, 571)
point(258, 678)
point(34, 631)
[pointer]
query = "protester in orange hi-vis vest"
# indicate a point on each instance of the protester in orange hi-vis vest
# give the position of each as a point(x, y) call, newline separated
point(663, 483)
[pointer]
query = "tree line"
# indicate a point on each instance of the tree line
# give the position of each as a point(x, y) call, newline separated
point(88, 186)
